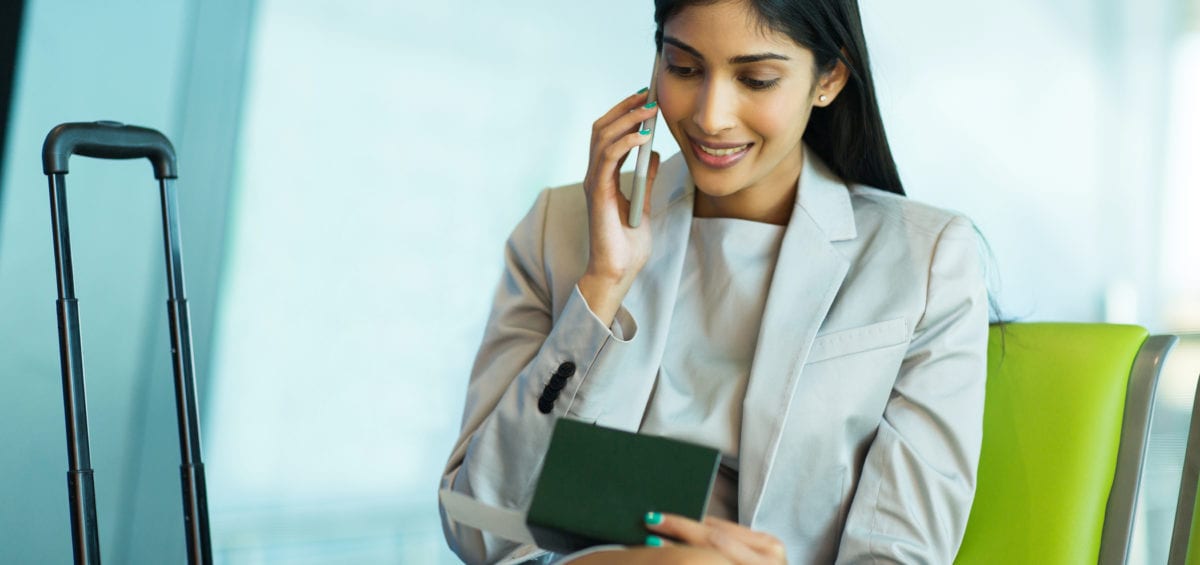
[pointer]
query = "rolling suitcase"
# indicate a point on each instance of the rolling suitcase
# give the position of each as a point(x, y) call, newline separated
point(112, 140)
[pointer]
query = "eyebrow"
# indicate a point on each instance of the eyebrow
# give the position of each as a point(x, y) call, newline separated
point(738, 60)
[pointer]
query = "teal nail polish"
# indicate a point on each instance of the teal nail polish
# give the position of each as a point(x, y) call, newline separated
point(653, 541)
point(645, 132)
point(644, 90)
point(650, 105)
point(654, 518)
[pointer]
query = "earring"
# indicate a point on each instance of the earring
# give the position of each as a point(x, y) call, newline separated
point(824, 98)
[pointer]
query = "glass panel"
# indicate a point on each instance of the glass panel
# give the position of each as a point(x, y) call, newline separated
point(387, 150)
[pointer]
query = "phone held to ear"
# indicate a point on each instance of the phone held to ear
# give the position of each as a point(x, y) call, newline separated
point(637, 199)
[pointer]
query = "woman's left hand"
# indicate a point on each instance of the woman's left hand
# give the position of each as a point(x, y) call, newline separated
point(736, 542)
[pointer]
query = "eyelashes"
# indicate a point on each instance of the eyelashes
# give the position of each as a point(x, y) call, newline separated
point(682, 72)
point(759, 84)
point(752, 84)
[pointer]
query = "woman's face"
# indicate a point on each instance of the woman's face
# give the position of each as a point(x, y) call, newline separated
point(737, 97)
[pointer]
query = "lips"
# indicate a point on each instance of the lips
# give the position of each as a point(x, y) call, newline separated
point(719, 155)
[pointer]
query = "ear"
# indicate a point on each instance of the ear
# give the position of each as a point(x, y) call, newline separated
point(831, 84)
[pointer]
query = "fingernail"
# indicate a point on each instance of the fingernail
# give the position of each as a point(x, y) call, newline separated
point(654, 541)
point(654, 518)
point(644, 90)
point(650, 104)
point(645, 132)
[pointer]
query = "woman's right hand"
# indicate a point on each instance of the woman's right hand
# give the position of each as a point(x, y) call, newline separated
point(617, 252)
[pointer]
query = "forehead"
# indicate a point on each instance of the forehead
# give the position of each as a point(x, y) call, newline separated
point(728, 28)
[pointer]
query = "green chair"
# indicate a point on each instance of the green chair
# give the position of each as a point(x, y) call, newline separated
point(1066, 421)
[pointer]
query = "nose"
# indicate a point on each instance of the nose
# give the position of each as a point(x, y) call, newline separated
point(716, 106)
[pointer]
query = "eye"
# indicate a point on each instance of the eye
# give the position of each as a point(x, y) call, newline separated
point(755, 84)
point(682, 72)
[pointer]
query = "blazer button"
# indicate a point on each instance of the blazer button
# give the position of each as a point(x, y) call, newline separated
point(566, 370)
point(557, 382)
point(545, 406)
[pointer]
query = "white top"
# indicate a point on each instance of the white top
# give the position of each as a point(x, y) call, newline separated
point(710, 346)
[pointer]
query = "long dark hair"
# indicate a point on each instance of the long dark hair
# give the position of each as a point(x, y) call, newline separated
point(848, 134)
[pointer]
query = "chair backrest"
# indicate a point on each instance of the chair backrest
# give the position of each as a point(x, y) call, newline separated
point(1065, 424)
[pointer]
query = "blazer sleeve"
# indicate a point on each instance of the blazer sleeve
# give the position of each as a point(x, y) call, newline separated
point(918, 480)
point(504, 435)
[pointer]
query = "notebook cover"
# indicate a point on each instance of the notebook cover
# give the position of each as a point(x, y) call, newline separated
point(598, 483)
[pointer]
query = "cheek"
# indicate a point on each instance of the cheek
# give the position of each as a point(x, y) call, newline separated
point(777, 118)
point(674, 105)
point(673, 102)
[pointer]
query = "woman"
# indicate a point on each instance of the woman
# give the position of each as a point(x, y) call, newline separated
point(784, 302)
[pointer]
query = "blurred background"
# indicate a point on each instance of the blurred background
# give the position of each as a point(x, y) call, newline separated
point(348, 174)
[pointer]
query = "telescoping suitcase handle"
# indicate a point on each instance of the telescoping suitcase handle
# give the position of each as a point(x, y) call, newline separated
point(107, 140)
point(112, 140)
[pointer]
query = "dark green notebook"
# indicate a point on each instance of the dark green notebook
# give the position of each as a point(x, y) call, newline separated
point(597, 484)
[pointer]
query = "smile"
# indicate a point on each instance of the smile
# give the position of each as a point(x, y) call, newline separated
point(719, 157)
point(724, 152)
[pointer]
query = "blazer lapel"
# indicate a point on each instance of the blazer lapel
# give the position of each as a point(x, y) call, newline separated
point(808, 274)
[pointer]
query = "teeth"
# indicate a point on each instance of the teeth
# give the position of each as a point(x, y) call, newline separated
point(724, 152)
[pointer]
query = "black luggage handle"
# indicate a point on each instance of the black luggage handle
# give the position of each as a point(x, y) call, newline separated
point(112, 140)
point(107, 140)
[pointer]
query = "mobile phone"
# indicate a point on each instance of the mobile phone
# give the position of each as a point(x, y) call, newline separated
point(637, 198)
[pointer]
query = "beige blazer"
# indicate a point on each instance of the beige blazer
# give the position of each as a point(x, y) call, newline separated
point(862, 418)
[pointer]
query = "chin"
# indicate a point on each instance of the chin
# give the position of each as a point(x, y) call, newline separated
point(717, 190)
point(716, 184)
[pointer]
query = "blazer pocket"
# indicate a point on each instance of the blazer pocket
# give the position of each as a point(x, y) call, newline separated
point(857, 340)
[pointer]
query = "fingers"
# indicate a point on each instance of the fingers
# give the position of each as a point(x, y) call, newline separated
point(737, 542)
point(612, 156)
point(613, 136)
point(696, 534)
point(609, 153)
point(623, 107)
point(678, 528)
point(658, 541)
point(620, 122)
point(629, 122)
